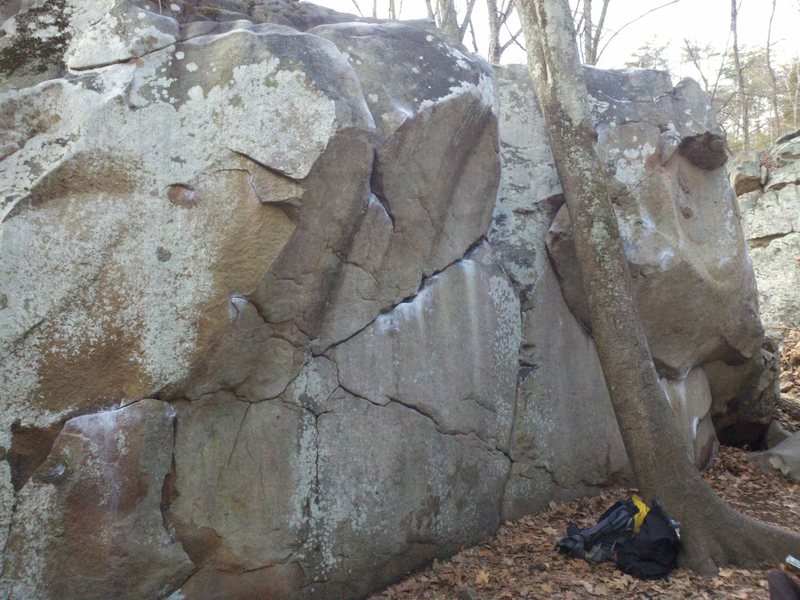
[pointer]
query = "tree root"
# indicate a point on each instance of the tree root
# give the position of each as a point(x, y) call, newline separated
point(713, 534)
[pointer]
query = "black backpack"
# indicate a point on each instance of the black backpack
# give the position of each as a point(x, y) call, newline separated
point(653, 552)
point(601, 541)
point(650, 554)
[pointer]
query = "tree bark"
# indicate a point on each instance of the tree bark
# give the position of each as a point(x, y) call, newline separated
point(462, 29)
point(712, 533)
point(743, 103)
point(773, 90)
point(429, 6)
point(448, 19)
point(494, 31)
point(588, 38)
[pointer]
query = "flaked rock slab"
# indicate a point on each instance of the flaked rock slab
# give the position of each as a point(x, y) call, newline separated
point(782, 459)
point(436, 102)
point(88, 524)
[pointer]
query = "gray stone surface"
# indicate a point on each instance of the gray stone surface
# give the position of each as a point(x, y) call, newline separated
point(423, 493)
point(459, 371)
point(559, 379)
point(775, 435)
point(783, 459)
point(434, 102)
point(771, 220)
point(690, 399)
point(692, 278)
point(244, 473)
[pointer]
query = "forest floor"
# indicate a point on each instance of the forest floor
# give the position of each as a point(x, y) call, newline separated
point(520, 561)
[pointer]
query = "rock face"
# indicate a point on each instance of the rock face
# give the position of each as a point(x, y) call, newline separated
point(771, 220)
point(679, 223)
point(559, 379)
point(87, 524)
point(275, 323)
point(692, 277)
point(783, 458)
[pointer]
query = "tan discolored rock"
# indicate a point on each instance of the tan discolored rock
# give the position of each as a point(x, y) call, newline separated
point(98, 498)
point(93, 312)
point(746, 173)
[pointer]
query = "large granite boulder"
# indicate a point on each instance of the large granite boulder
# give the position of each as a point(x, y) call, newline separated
point(291, 227)
point(771, 220)
point(198, 205)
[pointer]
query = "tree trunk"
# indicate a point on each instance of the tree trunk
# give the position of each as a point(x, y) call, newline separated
point(494, 32)
point(448, 20)
point(712, 532)
point(743, 103)
point(773, 89)
point(429, 6)
point(588, 38)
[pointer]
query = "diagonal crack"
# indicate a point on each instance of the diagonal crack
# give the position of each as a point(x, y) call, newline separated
point(424, 282)
point(766, 240)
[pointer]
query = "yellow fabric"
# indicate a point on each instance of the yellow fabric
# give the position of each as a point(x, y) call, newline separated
point(639, 517)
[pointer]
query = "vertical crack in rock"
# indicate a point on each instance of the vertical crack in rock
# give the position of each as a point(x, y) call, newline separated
point(238, 433)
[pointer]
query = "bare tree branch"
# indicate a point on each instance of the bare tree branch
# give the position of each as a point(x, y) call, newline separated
point(515, 37)
point(429, 6)
point(358, 8)
point(587, 32)
point(462, 29)
point(600, 25)
point(772, 79)
point(696, 63)
point(721, 68)
point(743, 103)
point(631, 22)
point(511, 41)
point(506, 12)
point(474, 39)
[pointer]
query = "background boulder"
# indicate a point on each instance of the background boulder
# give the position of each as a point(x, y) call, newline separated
point(771, 220)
